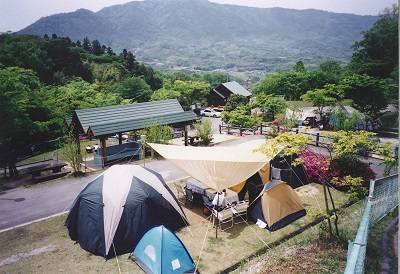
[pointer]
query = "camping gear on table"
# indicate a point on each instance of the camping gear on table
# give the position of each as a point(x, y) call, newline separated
point(277, 206)
point(112, 212)
point(161, 251)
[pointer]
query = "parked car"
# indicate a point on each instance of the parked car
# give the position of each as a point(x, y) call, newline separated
point(210, 113)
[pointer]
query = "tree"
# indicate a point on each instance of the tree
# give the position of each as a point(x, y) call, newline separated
point(241, 116)
point(204, 131)
point(234, 101)
point(377, 54)
point(270, 106)
point(159, 134)
point(191, 91)
point(134, 89)
point(165, 94)
point(369, 94)
point(96, 47)
point(320, 98)
point(18, 90)
point(27, 52)
point(106, 73)
point(72, 152)
point(291, 84)
point(86, 45)
point(79, 94)
point(25, 111)
point(187, 92)
point(66, 58)
point(299, 67)
point(327, 72)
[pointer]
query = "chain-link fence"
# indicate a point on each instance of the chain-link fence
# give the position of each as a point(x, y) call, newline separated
point(383, 198)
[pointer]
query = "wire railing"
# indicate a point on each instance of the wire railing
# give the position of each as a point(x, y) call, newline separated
point(382, 199)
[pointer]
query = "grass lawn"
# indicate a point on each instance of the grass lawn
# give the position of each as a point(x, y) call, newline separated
point(45, 247)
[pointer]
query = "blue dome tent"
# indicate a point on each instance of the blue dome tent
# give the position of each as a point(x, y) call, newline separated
point(161, 251)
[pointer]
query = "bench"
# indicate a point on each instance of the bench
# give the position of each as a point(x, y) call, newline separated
point(50, 176)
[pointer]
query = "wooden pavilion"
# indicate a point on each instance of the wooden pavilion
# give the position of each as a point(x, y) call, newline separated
point(104, 122)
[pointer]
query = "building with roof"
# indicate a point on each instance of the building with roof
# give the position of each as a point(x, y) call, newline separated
point(104, 122)
point(219, 95)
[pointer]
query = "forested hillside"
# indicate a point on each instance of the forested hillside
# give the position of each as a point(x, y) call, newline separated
point(188, 34)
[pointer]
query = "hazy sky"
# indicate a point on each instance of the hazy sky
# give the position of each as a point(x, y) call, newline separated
point(18, 14)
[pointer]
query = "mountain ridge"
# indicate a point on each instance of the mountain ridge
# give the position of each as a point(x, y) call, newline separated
point(198, 33)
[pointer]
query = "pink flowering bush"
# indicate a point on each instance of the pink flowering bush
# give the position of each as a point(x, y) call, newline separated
point(317, 166)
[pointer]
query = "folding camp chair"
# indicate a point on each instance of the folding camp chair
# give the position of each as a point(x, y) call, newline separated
point(224, 216)
point(240, 211)
point(179, 189)
point(189, 196)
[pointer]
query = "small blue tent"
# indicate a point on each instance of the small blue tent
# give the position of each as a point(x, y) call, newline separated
point(161, 251)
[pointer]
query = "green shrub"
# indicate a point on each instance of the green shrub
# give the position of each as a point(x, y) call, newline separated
point(204, 131)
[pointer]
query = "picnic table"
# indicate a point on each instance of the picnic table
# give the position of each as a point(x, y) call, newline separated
point(203, 189)
point(55, 168)
point(193, 140)
point(196, 186)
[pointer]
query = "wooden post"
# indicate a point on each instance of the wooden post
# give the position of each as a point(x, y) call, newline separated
point(240, 130)
point(317, 140)
point(104, 150)
point(186, 135)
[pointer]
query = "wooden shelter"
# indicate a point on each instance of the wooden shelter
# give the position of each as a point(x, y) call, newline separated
point(104, 122)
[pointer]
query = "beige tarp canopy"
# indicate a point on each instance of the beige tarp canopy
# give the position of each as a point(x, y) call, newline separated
point(217, 167)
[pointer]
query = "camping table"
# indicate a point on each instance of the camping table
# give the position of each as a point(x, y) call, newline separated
point(196, 186)
point(231, 196)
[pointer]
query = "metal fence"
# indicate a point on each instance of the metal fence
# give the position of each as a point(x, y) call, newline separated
point(383, 198)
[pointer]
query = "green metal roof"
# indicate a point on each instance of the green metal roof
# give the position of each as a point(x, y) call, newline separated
point(116, 119)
